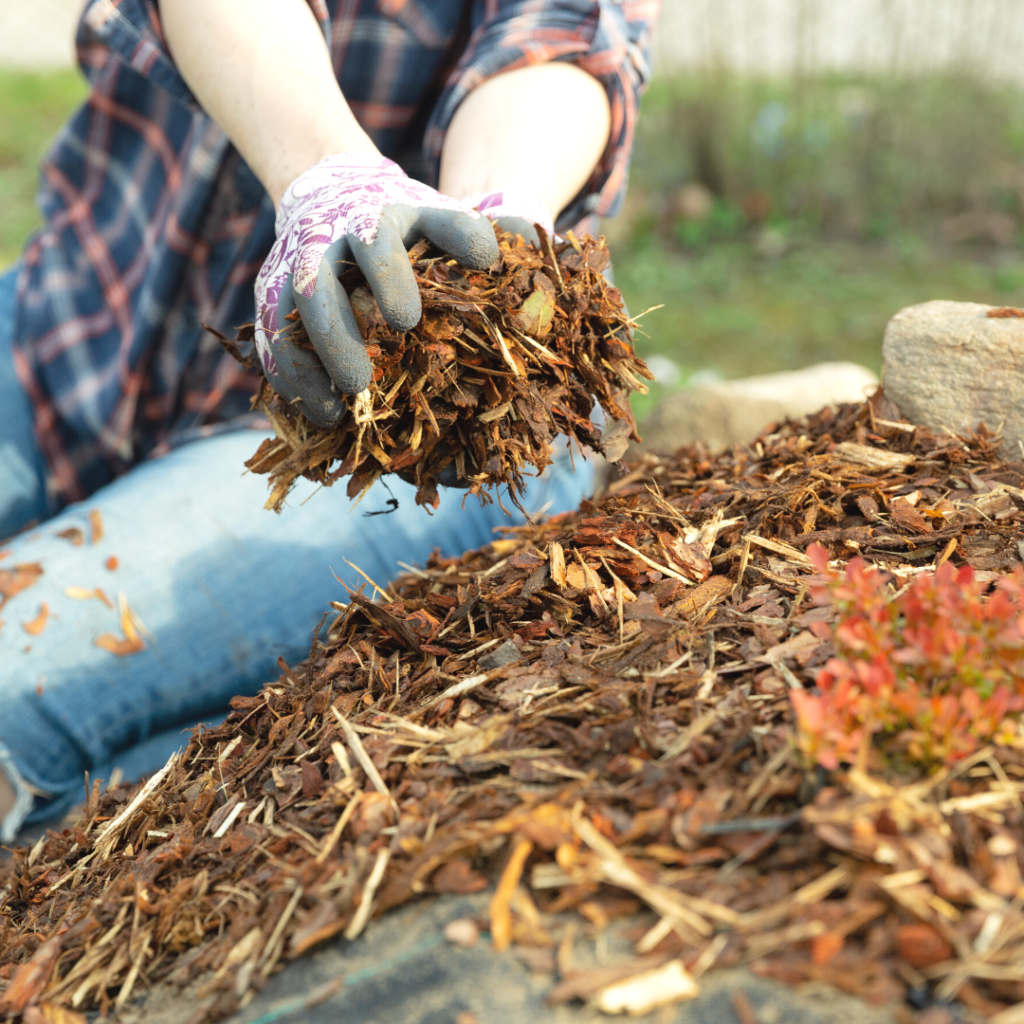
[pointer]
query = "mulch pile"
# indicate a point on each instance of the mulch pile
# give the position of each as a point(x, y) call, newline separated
point(501, 363)
point(591, 712)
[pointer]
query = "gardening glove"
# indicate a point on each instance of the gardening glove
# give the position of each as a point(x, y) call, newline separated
point(350, 207)
point(516, 212)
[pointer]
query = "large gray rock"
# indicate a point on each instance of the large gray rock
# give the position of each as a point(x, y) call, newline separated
point(949, 364)
point(736, 411)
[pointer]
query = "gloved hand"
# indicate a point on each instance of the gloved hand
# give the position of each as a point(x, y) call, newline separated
point(351, 206)
point(516, 212)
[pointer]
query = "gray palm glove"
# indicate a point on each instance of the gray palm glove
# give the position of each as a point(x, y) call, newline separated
point(350, 208)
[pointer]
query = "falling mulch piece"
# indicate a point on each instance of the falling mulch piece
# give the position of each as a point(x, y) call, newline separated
point(502, 362)
point(18, 578)
point(87, 594)
point(95, 526)
point(131, 642)
point(642, 750)
point(35, 626)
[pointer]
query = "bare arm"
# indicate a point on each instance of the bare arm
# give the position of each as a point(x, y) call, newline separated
point(261, 70)
point(539, 130)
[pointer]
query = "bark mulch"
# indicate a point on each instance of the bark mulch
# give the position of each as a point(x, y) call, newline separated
point(501, 363)
point(592, 713)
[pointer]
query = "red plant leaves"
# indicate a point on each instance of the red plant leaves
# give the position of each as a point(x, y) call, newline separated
point(926, 676)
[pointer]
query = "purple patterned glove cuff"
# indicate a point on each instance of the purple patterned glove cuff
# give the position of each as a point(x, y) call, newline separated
point(343, 195)
point(509, 203)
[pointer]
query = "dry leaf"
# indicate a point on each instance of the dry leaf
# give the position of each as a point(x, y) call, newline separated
point(536, 313)
point(14, 581)
point(131, 642)
point(38, 624)
point(87, 593)
point(95, 526)
point(30, 978)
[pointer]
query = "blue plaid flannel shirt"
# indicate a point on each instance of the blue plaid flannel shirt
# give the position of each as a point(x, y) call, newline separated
point(154, 225)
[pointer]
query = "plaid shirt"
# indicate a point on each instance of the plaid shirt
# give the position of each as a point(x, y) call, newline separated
point(154, 225)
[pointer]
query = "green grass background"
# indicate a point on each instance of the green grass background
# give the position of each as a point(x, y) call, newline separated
point(33, 106)
point(856, 182)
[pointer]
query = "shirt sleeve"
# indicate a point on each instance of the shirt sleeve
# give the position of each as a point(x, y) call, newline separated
point(132, 31)
point(609, 39)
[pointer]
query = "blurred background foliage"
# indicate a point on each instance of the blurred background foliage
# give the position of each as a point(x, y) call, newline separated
point(33, 106)
point(783, 220)
point(780, 220)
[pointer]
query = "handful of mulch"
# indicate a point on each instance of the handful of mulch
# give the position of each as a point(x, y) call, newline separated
point(501, 363)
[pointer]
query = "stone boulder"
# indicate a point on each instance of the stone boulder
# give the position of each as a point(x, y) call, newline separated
point(736, 411)
point(956, 365)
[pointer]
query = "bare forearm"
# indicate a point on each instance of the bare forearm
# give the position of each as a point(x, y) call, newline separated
point(261, 70)
point(540, 130)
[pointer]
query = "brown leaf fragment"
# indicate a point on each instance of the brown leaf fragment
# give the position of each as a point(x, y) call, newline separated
point(75, 534)
point(87, 593)
point(1004, 312)
point(458, 876)
point(324, 923)
point(95, 526)
point(32, 977)
point(13, 581)
point(921, 945)
point(312, 780)
point(130, 643)
point(38, 624)
point(790, 648)
point(536, 313)
point(615, 440)
point(52, 1013)
point(905, 517)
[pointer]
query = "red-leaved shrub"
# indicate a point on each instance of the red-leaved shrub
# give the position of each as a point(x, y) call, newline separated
point(927, 675)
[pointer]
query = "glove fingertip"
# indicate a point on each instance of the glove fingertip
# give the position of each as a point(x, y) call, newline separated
point(481, 246)
point(325, 412)
point(401, 312)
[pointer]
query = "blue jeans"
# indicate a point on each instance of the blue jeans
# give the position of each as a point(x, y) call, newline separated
point(223, 588)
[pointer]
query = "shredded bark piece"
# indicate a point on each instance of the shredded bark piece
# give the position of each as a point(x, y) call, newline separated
point(502, 362)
